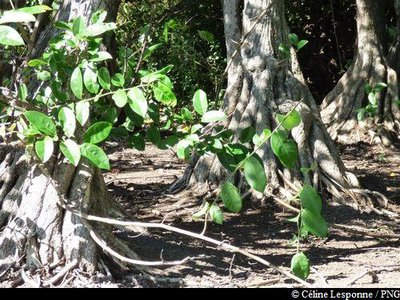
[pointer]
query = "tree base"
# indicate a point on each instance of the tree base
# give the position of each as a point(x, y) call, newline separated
point(37, 232)
point(339, 108)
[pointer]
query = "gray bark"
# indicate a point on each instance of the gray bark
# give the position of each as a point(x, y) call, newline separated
point(371, 65)
point(262, 83)
point(35, 230)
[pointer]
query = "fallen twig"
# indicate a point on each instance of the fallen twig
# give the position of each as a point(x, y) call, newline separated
point(110, 251)
point(61, 274)
point(130, 224)
point(372, 271)
point(356, 230)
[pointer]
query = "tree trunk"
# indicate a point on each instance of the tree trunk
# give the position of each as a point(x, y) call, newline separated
point(394, 52)
point(371, 65)
point(262, 83)
point(36, 231)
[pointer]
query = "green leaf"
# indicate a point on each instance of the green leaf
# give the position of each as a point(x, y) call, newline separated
point(77, 83)
point(15, 16)
point(292, 120)
point(90, 80)
point(361, 114)
point(200, 102)
point(120, 98)
point(101, 56)
point(206, 36)
point(78, 26)
point(203, 210)
point(367, 88)
point(213, 116)
point(98, 17)
point(314, 223)
point(380, 86)
point(99, 28)
point(284, 48)
point(231, 197)
point(150, 50)
point(22, 92)
point(118, 80)
point(68, 122)
point(36, 63)
point(43, 75)
point(44, 148)
point(301, 44)
point(255, 174)
point(164, 94)
point(104, 78)
point(96, 155)
point(216, 214)
point(372, 98)
point(153, 134)
point(186, 114)
point(300, 265)
point(71, 151)
point(36, 9)
point(259, 139)
point(293, 38)
point(137, 101)
point(285, 149)
point(294, 219)
point(231, 155)
point(42, 122)
point(217, 144)
point(98, 132)
point(10, 37)
point(310, 199)
point(63, 25)
point(195, 128)
point(183, 149)
point(137, 141)
point(247, 134)
point(82, 110)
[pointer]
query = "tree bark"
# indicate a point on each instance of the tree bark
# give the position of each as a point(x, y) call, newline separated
point(35, 230)
point(262, 83)
point(371, 65)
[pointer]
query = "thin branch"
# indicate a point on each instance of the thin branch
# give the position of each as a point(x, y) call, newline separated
point(356, 230)
point(7, 99)
point(372, 271)
point(136, 262)
point(221, 245)
point(61, 274)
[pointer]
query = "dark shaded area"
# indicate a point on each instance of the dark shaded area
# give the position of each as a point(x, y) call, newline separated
point(327, 54)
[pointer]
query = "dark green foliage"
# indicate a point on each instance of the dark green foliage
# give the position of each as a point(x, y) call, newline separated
point(185, 34)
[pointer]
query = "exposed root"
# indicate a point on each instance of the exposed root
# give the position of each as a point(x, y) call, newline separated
point(221, 244)
point(38, 233)
point(60, 275)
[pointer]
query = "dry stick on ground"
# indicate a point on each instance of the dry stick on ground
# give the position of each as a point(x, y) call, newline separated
point(360, 231)
point(61, 274)
point(221, 245)
point(373, 271)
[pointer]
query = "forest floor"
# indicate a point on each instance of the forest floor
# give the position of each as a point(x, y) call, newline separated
point(349, 257)
point(346, 258)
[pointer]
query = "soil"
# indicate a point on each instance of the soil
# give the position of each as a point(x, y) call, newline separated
point(139, 181)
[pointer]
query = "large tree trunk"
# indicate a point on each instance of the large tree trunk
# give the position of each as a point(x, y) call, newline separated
point(35, 230)
point(394, 51)
point(371, 65)
point(262, 83)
